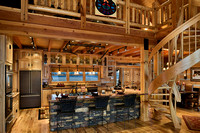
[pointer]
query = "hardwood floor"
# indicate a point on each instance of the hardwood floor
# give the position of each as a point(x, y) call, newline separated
point(28, 123)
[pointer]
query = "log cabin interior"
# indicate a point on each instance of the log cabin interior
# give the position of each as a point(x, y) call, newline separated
point(99, 66)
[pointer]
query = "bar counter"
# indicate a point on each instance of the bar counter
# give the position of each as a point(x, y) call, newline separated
point(81, 112)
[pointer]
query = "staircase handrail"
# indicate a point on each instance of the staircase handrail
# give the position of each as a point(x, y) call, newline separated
point(174, 33)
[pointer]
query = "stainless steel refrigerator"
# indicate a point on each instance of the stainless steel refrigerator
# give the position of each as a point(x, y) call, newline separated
point(30, 89)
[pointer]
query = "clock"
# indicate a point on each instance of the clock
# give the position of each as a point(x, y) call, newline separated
point(106, 7)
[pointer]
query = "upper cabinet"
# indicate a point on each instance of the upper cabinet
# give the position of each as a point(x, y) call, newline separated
point(9, 49)
point(2, 47)
point(70, 59)
point(30, 60)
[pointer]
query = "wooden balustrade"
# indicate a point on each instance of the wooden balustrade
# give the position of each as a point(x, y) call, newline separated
point(128, 15)
point(164, 13)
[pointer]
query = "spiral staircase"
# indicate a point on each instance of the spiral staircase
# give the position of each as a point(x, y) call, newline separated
point(183, 50)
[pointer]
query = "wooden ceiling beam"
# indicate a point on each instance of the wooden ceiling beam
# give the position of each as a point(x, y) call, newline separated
point(17, 42)
point(121, 49)
point(106, 48)
point(61, 49)
point(130, 52)
point(114, 48)
point(49, 45)
point(75, 48)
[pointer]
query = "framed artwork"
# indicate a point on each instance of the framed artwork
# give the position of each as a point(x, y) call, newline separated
point(195, 74)
point(105, 8)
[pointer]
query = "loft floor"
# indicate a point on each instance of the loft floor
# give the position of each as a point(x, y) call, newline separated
point(28, 123)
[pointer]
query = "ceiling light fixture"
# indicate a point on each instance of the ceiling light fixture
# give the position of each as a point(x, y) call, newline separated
point(125, 48)
point(106, 44)
point(59, 72)
point(145, 28)
point(118, 51)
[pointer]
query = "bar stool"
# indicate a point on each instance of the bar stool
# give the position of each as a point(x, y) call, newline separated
point(101, 103)
point(67, 108)
point(128, 102)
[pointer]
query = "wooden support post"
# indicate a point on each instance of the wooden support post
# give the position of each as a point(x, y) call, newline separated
point(144, 84)
point(174, 13)
point(126, 14)
point(24, 10)
point(91, 6)
point(83, 14)
point(155, 14)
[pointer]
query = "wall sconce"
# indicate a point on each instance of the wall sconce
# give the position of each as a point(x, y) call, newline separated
point(185, 74)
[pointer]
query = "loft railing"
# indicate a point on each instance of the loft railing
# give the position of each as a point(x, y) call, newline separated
point(128, 15)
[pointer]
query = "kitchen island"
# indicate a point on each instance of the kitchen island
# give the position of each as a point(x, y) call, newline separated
point(81, 112)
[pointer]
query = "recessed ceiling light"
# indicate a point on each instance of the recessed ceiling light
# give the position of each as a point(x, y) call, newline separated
point(145, 28)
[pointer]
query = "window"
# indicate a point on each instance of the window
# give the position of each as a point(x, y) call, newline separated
point(91, 76)
point(117, 77)
point(75, 76)
point(58, 77)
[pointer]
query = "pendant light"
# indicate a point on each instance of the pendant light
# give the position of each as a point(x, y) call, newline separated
point(59, 72)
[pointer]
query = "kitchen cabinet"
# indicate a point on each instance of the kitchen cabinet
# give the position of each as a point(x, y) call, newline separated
point(46, 96)
point(9, 50)
point(16, 106)
point(30, 60)
point(36, 64)
point(2, 47)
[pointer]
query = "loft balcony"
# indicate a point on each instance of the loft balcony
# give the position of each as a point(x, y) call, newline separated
point(131, 20)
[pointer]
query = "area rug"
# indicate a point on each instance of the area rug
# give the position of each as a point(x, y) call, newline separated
point(192, 122)
point(43, 113)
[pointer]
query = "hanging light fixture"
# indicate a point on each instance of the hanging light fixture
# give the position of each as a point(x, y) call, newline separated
point(118, 51)
point(93, 71)
point(59, 72)
point(125, 48)
point(76, 70)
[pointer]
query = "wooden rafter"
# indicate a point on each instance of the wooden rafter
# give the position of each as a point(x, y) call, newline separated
point(121, 49)
point(101, 50)
point(114, 48)
point(61, 49)
point(75, 48)
point(132, 51)
point(17, 42)
point(49, 45)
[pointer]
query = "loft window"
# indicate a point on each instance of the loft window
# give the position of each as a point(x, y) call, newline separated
point(58, 77)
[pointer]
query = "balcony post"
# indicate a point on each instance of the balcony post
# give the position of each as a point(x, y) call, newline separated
point(24, 10)
point(83, 14)
point(126, 16)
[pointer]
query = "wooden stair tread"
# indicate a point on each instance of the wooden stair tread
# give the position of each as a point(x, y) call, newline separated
point(158, 100)
point(170, 117)
point(159, 105)
point(164, 87)
point(160, 94)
